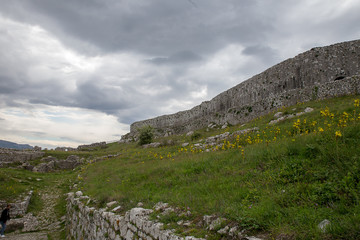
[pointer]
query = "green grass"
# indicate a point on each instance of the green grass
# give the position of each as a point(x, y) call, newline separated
point(17, 182)
point(35, 204)
point(286, 185)
point(281, 181)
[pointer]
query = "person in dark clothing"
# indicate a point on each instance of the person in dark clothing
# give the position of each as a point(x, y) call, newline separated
point(5, 215)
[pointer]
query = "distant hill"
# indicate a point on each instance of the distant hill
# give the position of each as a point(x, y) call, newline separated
point(7, 144)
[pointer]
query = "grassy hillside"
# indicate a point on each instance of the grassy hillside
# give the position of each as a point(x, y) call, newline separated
point(281, 180)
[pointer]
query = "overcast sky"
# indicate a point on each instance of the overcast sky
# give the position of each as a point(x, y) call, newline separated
point(81, 71)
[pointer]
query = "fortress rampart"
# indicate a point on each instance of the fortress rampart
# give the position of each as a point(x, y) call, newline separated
point(319, 73)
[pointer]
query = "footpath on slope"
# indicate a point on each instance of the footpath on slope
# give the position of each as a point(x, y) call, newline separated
point(47, 224)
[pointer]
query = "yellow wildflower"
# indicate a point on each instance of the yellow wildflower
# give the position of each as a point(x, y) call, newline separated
point(297, 124)
point(326, 113)
point(338, 134)
point(356, 102)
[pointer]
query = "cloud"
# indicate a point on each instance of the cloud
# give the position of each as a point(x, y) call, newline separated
point(177, 58)
point(263, 53)
point(307, 24)
point(5, 87)
point(131, 60)
point(157, 28)
point(59, 125)
point(119, 84)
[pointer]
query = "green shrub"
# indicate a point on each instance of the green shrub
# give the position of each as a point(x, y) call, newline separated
point(146, 135)
point(195, 136)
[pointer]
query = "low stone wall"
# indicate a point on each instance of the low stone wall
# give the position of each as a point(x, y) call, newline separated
point(93, 145)
point(20, 219)
point(10, 156)
point(85, 222)
point(51, 164)
point(19, 207)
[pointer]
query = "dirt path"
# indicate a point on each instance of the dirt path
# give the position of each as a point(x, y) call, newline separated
point(46, 223)
point(47, 216)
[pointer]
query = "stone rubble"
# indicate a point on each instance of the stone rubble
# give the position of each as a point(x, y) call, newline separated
point(28, 223)
point(20, 219)
point(152, 145)
point(213, 223)
point(18, 207)
point(12, 156)
point(50, 164)
point(279, 117)
point(190, 133)
point(212, 125)
point(324, 225)
point(110, 204)
point(216, 223)
point(216, 142)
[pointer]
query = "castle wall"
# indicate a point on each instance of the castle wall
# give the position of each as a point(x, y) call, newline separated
point(319, 73)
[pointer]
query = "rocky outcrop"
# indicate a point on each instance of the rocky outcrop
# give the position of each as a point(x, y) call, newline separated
point(319, 73)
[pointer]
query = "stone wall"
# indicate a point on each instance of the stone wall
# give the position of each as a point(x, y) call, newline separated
point(65, 149)
point(85, 222)
point(51, 164)
point(319, 73)
point(18, 207)
point(93, 145)
point(10, 156)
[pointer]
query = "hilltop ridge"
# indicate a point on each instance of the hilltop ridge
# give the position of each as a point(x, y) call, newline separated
point(319, 73)
point(12, 145)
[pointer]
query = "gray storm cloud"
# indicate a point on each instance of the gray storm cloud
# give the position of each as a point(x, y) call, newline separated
point(140, 59)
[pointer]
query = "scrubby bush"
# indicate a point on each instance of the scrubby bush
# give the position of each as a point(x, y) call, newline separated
point(195, 136)
point(146, 135)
